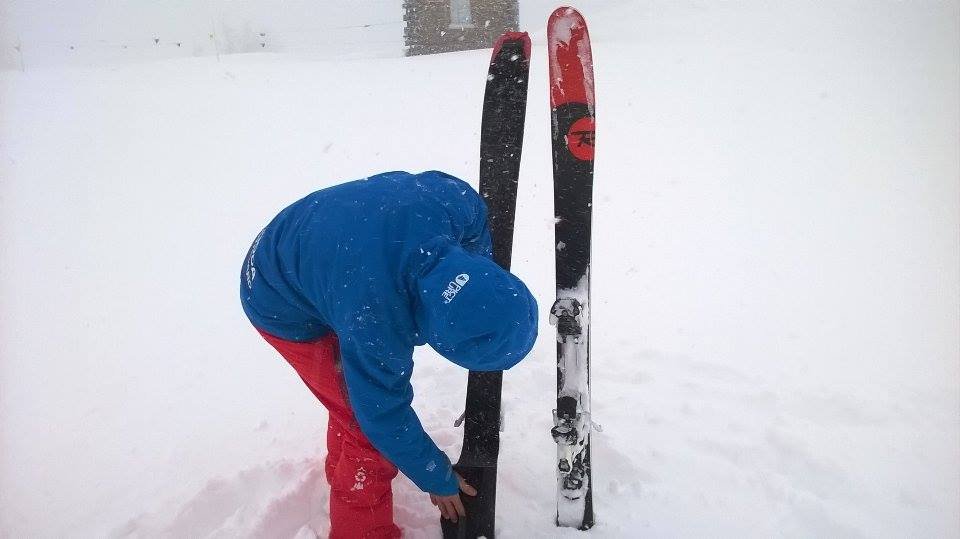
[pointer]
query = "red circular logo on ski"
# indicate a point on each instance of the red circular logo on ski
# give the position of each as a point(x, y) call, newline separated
point(580, 139)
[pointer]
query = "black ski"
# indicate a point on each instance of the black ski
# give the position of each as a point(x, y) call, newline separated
point(572, 115)
point(501, 139)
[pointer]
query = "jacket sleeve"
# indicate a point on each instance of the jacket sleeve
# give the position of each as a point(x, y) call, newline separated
point(377, 369)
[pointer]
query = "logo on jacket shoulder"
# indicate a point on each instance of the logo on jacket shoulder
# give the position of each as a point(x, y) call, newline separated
point(454, 286)
point(250, 272)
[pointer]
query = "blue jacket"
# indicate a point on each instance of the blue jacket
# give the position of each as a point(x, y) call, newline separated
point(388, 263)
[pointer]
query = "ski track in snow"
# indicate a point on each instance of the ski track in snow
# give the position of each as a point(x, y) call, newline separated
point(775, 302)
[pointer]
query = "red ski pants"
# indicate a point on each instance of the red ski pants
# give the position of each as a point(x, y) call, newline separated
point(361, 499)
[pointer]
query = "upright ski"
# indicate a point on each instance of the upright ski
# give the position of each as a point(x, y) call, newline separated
point(501, 138)
point(572, 117)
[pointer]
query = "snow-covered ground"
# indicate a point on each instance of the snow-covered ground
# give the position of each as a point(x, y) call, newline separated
point(776, 278)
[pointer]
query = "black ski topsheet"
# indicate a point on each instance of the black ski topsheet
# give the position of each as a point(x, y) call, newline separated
point(573, 132)
point(501, 139)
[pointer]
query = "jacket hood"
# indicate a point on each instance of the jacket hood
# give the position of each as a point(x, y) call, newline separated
point(475, 313)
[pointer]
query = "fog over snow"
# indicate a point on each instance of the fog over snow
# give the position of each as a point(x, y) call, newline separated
point(776, 264)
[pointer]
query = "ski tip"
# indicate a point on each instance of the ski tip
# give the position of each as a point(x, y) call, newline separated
point(566, 25)
point(522, 37)
point(565, 13)
point(571, 59)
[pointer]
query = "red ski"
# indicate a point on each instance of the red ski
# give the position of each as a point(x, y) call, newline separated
point(572, 116)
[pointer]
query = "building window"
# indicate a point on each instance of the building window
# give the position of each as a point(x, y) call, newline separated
point(460, 14)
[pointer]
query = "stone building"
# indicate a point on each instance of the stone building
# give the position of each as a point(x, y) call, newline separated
point(434, 26)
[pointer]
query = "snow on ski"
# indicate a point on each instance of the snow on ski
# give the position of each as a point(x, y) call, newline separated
point(572, 122)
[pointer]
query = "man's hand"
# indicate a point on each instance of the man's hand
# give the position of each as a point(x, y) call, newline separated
point(451, 507)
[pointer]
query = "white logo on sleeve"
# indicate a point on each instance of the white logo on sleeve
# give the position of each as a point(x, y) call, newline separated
point(454, 286)
point(251, 270)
